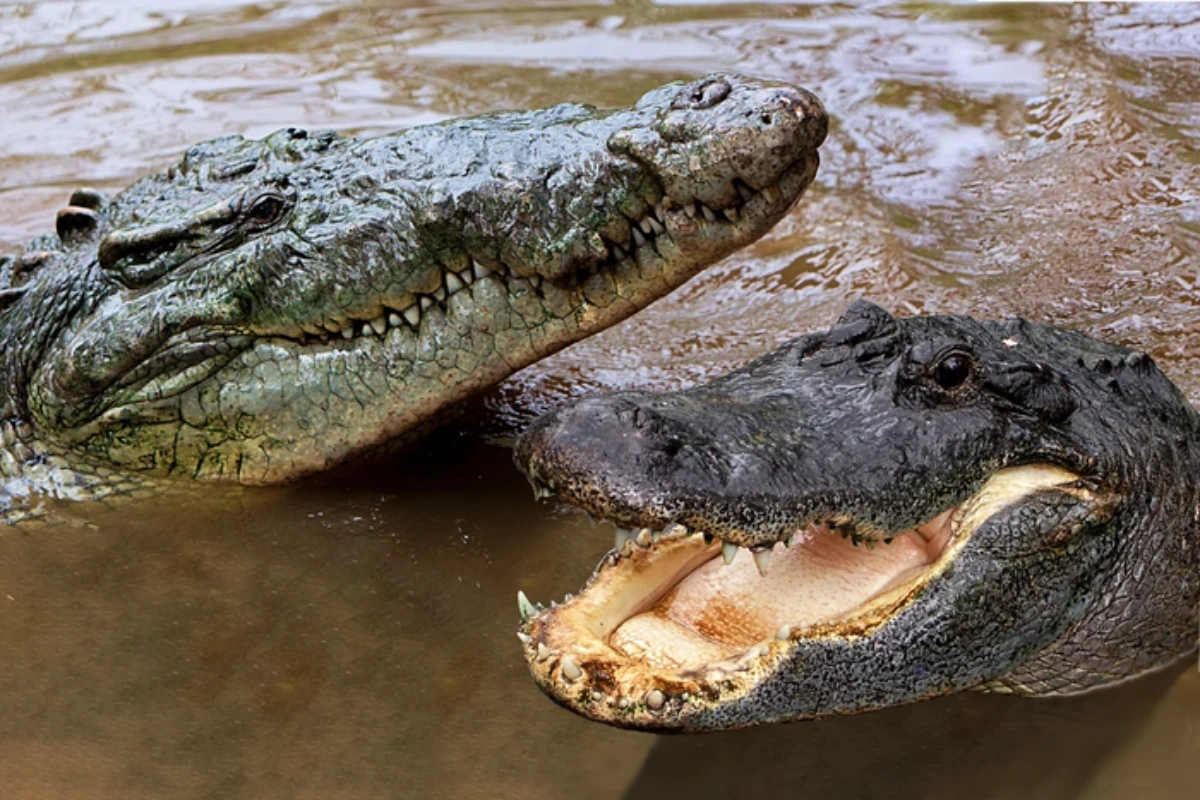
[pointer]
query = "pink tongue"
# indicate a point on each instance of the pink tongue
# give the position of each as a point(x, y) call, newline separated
point(725, 609)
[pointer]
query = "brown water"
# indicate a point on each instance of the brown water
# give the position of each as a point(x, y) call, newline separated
point(354, 638)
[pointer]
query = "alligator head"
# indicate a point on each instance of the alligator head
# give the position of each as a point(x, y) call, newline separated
point(269, 308)
point(891, 510)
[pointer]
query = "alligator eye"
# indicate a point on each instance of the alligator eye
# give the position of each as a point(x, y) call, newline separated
point(265, 210)
point(953, 370)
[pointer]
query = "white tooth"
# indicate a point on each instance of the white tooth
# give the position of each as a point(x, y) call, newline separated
point(708, 213)
point(524, 637)
point(746, 192)
point(348, 333)
point(440, 294)
point(570, 670)
point(623, 702)
point(690, 210)
point(729, 551)
point(643, 538)
point(621, 537)
point(660, 212)
point(771, 193)
point(524, 606)
point(543, 652)
point(784, 633)
point(453, 284)
point(412, 315)
point(619, 252)
point(394, 319)
point(762, 560)
point(656, 225)
point(426, 302)
point(379, 325)
point(466, 277)
point(655, 699)
point(638, 239)
point(730, 214)
point(536, 280)
point(366, 329)
point(478, 269)
point(598, 696)
point(645, 225)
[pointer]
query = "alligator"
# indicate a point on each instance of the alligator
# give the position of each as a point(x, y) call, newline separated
point(269, 308)
point(891, 510)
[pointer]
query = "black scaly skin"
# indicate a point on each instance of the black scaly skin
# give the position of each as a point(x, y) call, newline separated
point(1050, 596)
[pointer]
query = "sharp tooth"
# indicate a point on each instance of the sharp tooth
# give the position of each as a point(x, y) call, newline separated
point(731, 214)
point(638, 239)
point(570, 670)
point(646, 226)
point(784, 633)
point(524, 637)
point(690, 210)
point(479, 270)
point(524, 606)
point(453, 283)
point(656, 225)
point(745, 191)
point(729, 551)
point(536, 280)
point(466, 277)
point(660, 212)
point(762, 560)
point(366, 329)
point(426, 302)
point(379, 325)
point(394, 319)
point(543, 652)
point(708, 213)
point(619, 252)
point(643, 538)
point(771, 193)
point(655, 699)
point(620, 538)
point(440, 294)
point(623, 702)
point(412, 315)
point(348, 333)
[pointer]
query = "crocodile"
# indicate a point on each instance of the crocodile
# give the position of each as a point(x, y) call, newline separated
point(267, 309)
point(888, 511)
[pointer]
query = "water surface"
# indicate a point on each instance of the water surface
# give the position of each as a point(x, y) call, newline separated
point(353, 638)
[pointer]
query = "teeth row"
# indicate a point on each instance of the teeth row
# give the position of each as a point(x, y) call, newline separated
point(626, 539)
point(644, 230)
point(409, 316)
point(654, 222)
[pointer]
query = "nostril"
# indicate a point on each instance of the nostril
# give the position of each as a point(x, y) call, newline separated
point(767, 119)
point(706, 93)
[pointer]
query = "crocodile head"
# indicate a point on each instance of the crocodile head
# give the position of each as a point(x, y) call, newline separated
point(891, 510)
point(266, 309)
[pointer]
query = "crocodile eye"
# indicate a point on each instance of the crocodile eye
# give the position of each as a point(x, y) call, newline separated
point(953, 370)
point(265, 210)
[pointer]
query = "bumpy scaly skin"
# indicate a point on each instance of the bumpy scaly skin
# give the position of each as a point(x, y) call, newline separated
point(269, 308)
point(1062, 592)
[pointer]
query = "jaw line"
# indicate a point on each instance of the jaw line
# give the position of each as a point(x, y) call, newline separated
point(569, 653)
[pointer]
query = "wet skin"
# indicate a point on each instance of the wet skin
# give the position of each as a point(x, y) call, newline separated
point(268, 309)
point(1003, 506)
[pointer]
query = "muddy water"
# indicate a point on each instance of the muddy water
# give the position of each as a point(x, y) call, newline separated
point(354, 638)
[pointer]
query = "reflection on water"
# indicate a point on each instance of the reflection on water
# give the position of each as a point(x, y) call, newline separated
point(354, 637)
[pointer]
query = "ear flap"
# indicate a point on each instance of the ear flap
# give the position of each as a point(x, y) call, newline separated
point(10, 296)
point(1033, 387)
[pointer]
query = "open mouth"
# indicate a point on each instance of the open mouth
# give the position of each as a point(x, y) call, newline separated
point(675, 622)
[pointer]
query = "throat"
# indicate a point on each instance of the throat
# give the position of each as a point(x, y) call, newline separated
point(719, 609)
